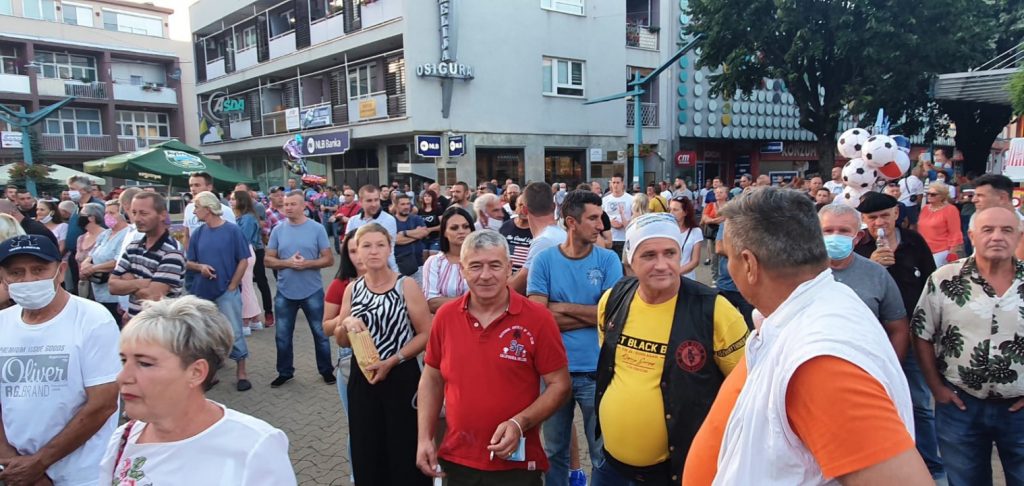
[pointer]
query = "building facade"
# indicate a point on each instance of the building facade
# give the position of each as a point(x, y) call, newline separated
point(133, 86)
point(372, 75)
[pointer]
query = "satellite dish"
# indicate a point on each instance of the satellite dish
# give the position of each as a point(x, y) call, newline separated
point(176, 74)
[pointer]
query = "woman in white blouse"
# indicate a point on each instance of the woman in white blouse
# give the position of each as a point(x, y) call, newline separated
point(442, 274)
point(171, 352)
point(53, 219)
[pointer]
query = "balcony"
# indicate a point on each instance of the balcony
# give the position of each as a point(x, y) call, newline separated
point(145, 94)
point(78, 143)
point(641, 37)
point(326, 29)
point(279, 46)
point(15, 83)
point(64, 87)
point(648, 114)
point(215, 68)
point(245, 58)
point(131, 144)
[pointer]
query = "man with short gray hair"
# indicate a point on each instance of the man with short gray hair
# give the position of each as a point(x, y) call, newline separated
point(491, 338)
point(817, 362)
point(841, 227)
point(489, 213)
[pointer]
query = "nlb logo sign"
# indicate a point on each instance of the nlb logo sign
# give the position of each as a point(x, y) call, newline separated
point(428, 145)
point(456, 145)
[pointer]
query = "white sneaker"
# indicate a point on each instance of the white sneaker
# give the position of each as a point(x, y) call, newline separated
point(256, 325)
point(246, 331)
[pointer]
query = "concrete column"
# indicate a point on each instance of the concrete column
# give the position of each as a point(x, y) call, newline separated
point(30, 55)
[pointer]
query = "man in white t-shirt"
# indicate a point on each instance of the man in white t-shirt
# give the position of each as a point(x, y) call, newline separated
point(369, 198)
point(199, 182)
point(58, 365)
point(540, 210)
point(619, 207)
point(835, 186)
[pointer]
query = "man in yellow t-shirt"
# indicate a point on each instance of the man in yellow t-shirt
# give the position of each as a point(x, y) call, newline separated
point(671, 343)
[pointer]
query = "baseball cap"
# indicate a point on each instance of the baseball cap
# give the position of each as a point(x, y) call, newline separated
point(34, 245)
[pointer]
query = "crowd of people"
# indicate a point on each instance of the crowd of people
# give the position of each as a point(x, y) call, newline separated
point(875, 343)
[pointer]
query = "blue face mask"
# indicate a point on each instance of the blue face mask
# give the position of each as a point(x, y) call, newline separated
point(838, 246)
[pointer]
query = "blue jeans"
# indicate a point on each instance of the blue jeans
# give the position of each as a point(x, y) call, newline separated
point(286, 311)
point(230, 304)
point(924, 419)
point(558, 430)
point(966, 438)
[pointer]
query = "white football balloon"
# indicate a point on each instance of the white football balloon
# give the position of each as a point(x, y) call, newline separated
point(858, 175)
point(895, 169)
point(849, 197)
point(851, 142)
point(880, 150)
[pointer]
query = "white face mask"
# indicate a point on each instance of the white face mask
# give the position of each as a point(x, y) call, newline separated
point(75, 196)
point(33, 295)
point(494, 224)
point(47, 219)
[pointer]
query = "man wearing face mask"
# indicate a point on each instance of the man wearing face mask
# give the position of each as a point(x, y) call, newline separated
point(489, 213)
point(80, 193)
point(840, 225)
point(60, 360)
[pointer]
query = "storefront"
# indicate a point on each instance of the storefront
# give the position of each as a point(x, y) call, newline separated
point(500, 164)
point(564, 166)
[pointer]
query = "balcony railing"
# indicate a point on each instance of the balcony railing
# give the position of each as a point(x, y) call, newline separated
point(131, 144)
point(648, 114)
point(276, 122)
point(82, 90)
point(78, 143)
point(641, 37)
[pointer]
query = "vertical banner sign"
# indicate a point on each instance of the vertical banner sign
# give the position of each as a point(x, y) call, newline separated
point(448, 69)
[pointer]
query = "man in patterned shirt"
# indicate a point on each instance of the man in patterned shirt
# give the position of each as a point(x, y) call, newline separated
point(152, 267)
point(970, 341)
point(275, 213)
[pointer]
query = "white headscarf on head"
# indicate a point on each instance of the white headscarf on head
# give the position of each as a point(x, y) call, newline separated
point(647, 226)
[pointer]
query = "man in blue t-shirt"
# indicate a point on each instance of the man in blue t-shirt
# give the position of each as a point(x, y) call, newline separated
point(724, 282)
point(218, 254)
point(570, 279)
point(298, 249)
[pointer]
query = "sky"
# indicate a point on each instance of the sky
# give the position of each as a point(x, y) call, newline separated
point(179, 20)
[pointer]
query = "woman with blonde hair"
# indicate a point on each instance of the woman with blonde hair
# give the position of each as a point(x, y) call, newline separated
point(382, 414)
point(939, 224)
point(641, 205)
point(9, 228)
point(171, 353)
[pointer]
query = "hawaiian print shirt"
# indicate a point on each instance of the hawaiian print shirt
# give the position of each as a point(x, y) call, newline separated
point(978, 335)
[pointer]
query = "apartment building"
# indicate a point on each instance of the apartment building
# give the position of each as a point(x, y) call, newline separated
point(133, 86)
point(384, 89)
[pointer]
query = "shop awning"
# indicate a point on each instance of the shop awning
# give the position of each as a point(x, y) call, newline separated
point(986, 83)
point(167, 163)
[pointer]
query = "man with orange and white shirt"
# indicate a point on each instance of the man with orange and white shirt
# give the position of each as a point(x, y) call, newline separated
point(823, 396)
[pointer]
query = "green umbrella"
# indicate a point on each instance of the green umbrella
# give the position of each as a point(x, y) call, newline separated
point(167, 163)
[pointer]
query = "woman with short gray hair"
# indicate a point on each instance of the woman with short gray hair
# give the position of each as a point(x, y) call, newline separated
point(90, 219)
point(171, 352)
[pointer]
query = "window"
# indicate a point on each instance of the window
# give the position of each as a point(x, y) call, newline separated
point(40, 9)
point(145, 127)
point(362, 81)
point(8, 60)
point(245, 38)
point(72, 122)
point(563, 77)
point(6, 8)
point(321, 9)
point(57, 65)
point(119, 21)
point(574, 7)
point(282, 22)
point(76, 14)
point(135, 80)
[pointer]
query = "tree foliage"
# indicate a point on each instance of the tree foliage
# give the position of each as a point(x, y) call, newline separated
point(838, 56)
point(1017, 93)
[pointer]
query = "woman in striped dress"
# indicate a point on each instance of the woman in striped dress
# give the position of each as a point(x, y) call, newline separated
point(442, 275)
point(382, 414)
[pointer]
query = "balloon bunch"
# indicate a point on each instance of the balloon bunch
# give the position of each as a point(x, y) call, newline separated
point(295, 164)
point(873, 158)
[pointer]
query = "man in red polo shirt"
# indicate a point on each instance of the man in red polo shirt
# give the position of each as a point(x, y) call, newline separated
point(486, 353)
